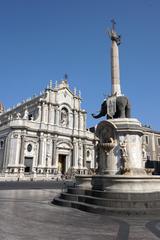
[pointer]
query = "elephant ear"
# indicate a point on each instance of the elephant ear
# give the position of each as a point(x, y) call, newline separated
point(102, 112)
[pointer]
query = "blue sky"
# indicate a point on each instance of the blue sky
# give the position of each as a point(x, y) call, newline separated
point(44, 39)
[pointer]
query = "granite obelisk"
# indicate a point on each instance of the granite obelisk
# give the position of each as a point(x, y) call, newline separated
point(115, 70)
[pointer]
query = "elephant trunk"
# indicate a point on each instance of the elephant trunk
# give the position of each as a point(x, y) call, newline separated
point(103, 110)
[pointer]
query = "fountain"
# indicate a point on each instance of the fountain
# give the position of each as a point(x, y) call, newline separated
point(121, 184)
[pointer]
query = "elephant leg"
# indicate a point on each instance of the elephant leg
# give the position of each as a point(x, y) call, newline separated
point(128, 111)
point(122, 113)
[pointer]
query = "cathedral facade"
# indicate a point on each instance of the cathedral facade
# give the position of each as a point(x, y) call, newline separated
point(46, 135)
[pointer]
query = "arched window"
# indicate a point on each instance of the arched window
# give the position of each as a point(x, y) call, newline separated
point(64, 117)
point(88, 153)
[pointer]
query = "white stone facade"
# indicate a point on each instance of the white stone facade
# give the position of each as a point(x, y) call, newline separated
point(46, 135)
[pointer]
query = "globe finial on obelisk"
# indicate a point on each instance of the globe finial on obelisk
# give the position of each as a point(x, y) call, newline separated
point(115, 69)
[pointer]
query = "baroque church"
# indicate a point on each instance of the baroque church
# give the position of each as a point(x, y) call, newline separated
point(46, 135)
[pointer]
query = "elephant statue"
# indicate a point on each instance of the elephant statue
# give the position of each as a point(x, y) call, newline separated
point(122, 108)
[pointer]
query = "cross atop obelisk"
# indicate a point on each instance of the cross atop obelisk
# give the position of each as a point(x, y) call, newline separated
point(113, 24)
point(115, 70)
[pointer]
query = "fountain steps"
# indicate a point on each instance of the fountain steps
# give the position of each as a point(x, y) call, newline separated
point(115, 195)
point(109, 203)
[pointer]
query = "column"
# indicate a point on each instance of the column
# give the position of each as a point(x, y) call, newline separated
point(81, 121)
point(18, 148)
point(71, 120)
point(50, 114)
point(153, 146)
point(41, 150)
point(80, 155)
point(54, 151)
point(75, 117)
point(6, 152)
point(48, 154)
point(43, 112)
point(93, 159)
point(74, 153)
point(21, 159)
point(84, 154)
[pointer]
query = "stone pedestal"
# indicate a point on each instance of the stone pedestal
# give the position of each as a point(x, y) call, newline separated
point(126, 184)
point(120, 147)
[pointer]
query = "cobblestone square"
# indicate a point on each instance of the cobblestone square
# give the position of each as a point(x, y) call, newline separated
point(28, 214)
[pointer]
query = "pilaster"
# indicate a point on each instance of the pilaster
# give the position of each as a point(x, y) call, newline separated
point(81, 121)
point(75, 117)
point(39, 118)
point(44, 112)
point(14, 153)
point(84, 121)
point(57, 116)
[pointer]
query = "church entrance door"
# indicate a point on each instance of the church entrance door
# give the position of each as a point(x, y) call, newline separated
point(88, 164)
point(28, 161)
point(62, 163)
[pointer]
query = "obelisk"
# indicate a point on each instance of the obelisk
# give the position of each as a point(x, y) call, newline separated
point(115, 70)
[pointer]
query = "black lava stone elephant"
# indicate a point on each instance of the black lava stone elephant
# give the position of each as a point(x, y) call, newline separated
point(123, 108)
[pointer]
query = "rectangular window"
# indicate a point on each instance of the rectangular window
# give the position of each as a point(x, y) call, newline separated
point(1, 144)
point(158, 141)
point(146, 139)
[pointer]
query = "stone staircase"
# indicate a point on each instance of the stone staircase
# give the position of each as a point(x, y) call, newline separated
point(110, 202)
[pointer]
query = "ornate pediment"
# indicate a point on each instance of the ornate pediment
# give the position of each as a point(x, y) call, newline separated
point(64, 145)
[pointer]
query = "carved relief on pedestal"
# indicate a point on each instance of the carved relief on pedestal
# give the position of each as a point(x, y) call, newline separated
point(124, 157)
